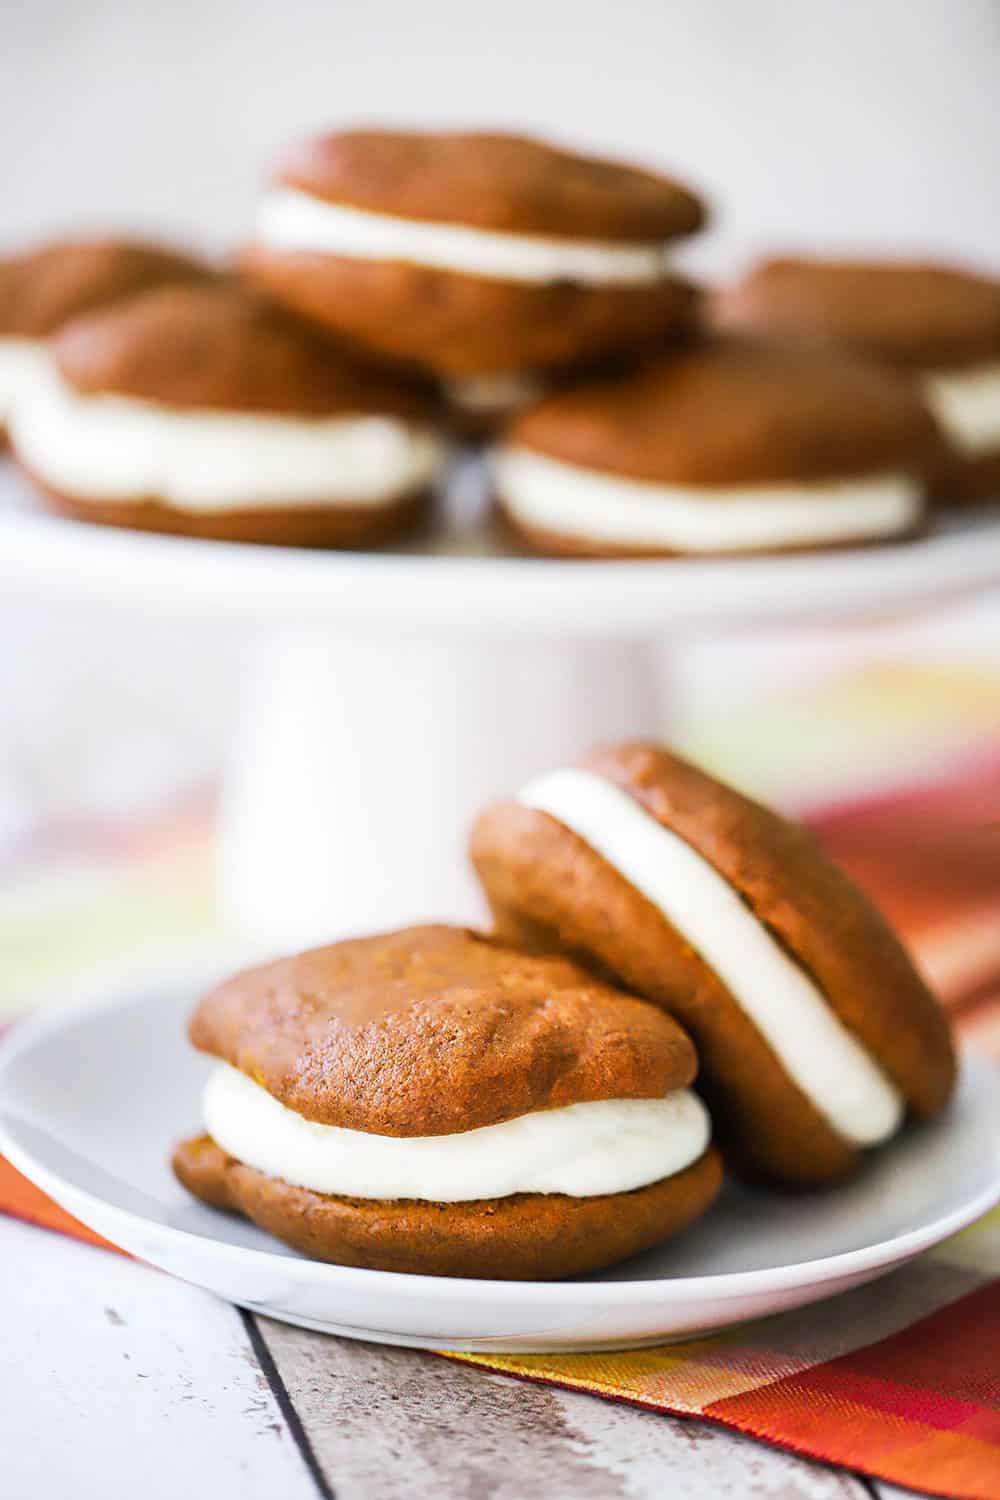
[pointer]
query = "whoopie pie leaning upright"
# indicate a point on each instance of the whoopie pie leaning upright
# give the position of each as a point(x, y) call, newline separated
point(815, 1033)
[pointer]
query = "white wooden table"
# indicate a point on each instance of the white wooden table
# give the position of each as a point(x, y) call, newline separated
point(118, 1383)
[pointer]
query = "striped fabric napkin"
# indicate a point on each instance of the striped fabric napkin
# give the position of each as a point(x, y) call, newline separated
point(900, 1379)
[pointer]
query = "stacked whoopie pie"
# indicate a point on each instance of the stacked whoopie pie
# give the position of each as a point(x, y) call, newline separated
point(937, 324)
point(520, 1104)
point(410, 269)
point(537, 285)
point(496, 262)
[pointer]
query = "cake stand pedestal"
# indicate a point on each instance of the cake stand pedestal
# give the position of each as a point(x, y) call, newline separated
point(359, 764)
point(388, 696)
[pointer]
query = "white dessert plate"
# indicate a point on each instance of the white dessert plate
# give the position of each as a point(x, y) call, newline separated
point(92, 1099)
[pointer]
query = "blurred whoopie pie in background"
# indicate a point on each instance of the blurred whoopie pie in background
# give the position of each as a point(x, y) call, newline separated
point(725, 446)
point(938, 323)
point(204, 411)
point(42, 288)
point(485, 258)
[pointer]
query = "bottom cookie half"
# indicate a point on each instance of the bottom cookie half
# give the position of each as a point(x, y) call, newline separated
point(546, 543)
point(334, 525)
point(525, 1237)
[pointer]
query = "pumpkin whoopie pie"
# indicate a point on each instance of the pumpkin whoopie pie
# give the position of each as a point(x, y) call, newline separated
point(207, 412)
point(939, 323)
point(814, 1031)
point(42, 288)
point(433, 1101)
point(723, 446)
point(474, 255)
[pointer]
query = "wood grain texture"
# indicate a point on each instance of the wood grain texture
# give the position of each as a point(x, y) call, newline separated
point(122, 1384)
point(395, 1423)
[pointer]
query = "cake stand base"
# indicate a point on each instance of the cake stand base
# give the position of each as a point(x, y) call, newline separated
point(360, 764)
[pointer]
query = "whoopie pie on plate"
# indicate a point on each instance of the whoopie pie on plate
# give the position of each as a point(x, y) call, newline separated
point(434, 1101)
point(815, 1033)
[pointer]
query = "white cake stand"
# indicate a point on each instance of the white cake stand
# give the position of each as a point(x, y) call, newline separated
point(389, 695)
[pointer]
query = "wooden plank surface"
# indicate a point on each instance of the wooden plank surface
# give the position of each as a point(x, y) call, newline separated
point(393, 1422)
point(118, 1383)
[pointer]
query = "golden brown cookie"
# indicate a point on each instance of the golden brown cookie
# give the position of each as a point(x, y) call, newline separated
point(42, 289)
point(223, 348)
point(439, 1058)
point(725, 446)
point(473, 253)
point(491, 181)
point(814, 1030)
point(278, 524)
point(205, 411)
point(940, 323)
point(458, 1030)
point(524, 1237)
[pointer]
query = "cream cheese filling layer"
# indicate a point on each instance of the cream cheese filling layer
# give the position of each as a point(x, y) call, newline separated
point(609, 1146)
point(21, 361)
point(292, 221)
point(818, 1053)
point(967, 404)
point(549, 495)
point(107, 447)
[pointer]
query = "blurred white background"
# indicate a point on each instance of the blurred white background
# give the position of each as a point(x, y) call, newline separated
point(808, 122)
point(812, 123)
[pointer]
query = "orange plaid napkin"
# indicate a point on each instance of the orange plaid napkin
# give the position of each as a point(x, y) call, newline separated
point(900, 1379)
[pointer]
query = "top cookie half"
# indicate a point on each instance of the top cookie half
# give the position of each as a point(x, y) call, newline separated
point(434, 1030)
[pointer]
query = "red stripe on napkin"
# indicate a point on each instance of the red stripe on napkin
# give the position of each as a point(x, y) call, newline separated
point(22, 1200)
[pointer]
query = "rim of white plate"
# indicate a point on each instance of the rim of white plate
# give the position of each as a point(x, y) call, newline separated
point(489, 595)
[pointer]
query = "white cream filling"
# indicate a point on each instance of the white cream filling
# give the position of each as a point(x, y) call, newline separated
point(21, 361)
point(609, 509)
point(827, 1063)
point(290, 220)
point(109, 447)
point(610, 1146)
point(967, 404)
